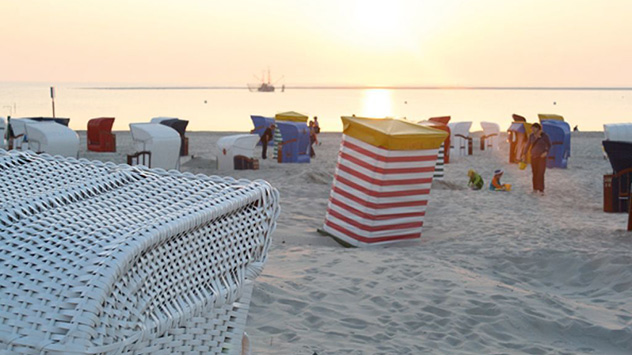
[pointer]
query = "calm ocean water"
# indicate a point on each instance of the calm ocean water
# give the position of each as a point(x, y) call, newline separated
point(229, 109)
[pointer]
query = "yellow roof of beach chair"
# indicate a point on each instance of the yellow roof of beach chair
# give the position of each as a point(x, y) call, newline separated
point(291, 116)
point(393, 134)
point(550, 116)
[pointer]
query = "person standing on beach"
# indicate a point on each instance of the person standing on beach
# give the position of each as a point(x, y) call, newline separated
point(312, 139)
point(538, 145)
point(266, 137)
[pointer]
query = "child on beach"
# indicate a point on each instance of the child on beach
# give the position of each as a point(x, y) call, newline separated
point(496, 185)
point(476, 181)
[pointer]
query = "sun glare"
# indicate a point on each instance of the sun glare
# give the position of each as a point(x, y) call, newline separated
point(378, 21)
point(377, 103)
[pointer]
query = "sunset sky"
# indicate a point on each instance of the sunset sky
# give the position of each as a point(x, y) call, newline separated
point(324, 42)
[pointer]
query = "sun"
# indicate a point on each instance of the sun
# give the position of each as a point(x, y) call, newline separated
point(378, 21)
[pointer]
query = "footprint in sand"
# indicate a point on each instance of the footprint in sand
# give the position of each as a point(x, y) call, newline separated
point(317, 295)
point(622, 287)
point(354, 323)
point(439, 312)
point(296, 307)
point(486, 309)
point(379, 270)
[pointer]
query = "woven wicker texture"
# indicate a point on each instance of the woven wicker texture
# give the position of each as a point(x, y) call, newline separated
point(103, 258)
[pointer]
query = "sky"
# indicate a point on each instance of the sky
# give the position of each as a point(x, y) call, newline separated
point(541, 43)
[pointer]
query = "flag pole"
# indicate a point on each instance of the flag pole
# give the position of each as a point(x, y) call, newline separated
point(52, 98)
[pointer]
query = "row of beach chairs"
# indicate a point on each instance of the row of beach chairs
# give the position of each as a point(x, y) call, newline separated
point(158, 143)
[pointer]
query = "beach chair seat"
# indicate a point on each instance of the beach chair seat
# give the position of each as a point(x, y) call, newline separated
point(127, 260)
point(140, 158)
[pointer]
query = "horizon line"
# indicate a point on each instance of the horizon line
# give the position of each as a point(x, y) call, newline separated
point(361, 87)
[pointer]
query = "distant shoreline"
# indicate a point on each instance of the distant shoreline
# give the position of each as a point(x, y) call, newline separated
point(558, 88)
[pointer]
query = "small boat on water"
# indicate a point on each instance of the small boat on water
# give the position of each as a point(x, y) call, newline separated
point(264, 86)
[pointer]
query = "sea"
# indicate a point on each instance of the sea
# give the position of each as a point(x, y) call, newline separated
point(229, 108)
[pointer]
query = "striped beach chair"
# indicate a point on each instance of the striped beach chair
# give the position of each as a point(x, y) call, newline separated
point(101, 258)
point(443, 157)
point(382, 181)
point(278, 139)
point(439, 172)
point(289, 116)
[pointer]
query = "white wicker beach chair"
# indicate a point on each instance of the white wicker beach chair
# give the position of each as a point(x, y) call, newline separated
point(52, 138)
point(111, 259)
point(460, 137)
point(490, 136)
point(2, 132)
point(234, 145)
point(163, 143)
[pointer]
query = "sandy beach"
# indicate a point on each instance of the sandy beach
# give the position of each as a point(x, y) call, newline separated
point(494, 272)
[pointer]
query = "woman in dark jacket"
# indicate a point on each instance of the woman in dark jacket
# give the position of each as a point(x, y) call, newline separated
point(538, 145)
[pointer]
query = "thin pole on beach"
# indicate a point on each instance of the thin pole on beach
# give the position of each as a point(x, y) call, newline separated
point(52, 98)
point(630, 211)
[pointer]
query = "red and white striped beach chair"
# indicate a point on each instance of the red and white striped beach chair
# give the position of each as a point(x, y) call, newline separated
point(382, 182)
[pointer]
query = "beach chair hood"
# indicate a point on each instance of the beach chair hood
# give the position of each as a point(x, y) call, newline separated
point(444, 120)
point(550, 116)
point(52, 138)
point(621, 132)
point(559, 133)
point(393, 134)
point(162, 141)
point(261, 123)
point(291, 116)
point(231, 146)
point(100, 137)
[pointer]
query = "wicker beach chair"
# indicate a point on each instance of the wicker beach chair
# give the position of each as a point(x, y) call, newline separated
point(460, 138)
point(99, 136)
point(101, 258)
point(490, 138)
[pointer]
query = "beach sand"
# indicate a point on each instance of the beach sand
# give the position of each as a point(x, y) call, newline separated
point(494, 272)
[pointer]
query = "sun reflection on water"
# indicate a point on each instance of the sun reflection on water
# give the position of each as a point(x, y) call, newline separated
point(377, 103)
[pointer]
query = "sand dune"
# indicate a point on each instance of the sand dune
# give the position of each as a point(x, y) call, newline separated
point(494, 272)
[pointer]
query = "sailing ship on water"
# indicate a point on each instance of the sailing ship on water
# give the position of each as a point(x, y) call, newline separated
point(264, 86)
